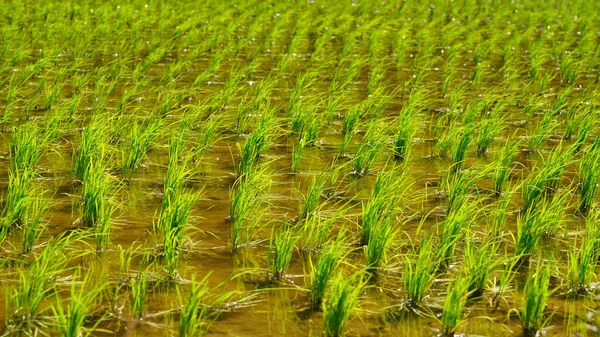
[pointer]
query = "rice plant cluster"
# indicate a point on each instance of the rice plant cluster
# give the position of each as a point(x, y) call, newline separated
point(299, 168)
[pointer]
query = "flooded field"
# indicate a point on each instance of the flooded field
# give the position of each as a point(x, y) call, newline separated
point(299, 168)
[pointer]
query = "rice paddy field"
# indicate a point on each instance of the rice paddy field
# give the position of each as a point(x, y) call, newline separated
point(299, 168)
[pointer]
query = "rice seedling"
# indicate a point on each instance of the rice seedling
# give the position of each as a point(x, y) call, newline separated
point(93, 139)
point(341, 299)
point(419, 272)
point(18, 198)
point(408, 124)
point(256, 144)
point(139, 293)
point(72, 318)
point(479, 263)
point(321, 273)
point(34, 225)
point(24, 301)
point(245, 199)
point(367, 151)
point(95, 200)
point(589, 175)
point(503, 165)
point(459, 148)
point(489, 128)
point(454, 306)
point(535, 297)
point(26, 147)
point(380, 238)
point(377, 210)
point(453, 230)
point(142, 136)
point(193, 314)
point(544, 219)
point(281, 248)
point(545, 128)
point(312, 198)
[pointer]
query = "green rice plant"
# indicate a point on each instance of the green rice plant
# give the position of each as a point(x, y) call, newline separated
point(321, 273)
point(24, 301)
point(589, 177)
point(582, 262)
point(281, 248)
point(378, 209)
point(454, 306)
point(18, 198)
point(501, 286)
point(488, 130)
point(369, 148)
point(92, 142)
point(139, 293)
point(142, 137)
point(245, 199)
point(459, 186)
point(297, 155)
point(407, 124)
point(535, 298)
point(194, 314)
point(349, 126)
point(544, 219)
point(459, 148)
point(453, 230)
point(206, 136)
point(479, 263)
point(33, 226)
point(256, 144)
point(27, 145)
point(95, 200)
point(341, 299)
point(503, 164)
point(500, 213)
point(312, 198)
point(419, 272)
point(71, 319)
point(380, 238)
point(545, 128)
point(315, 232)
